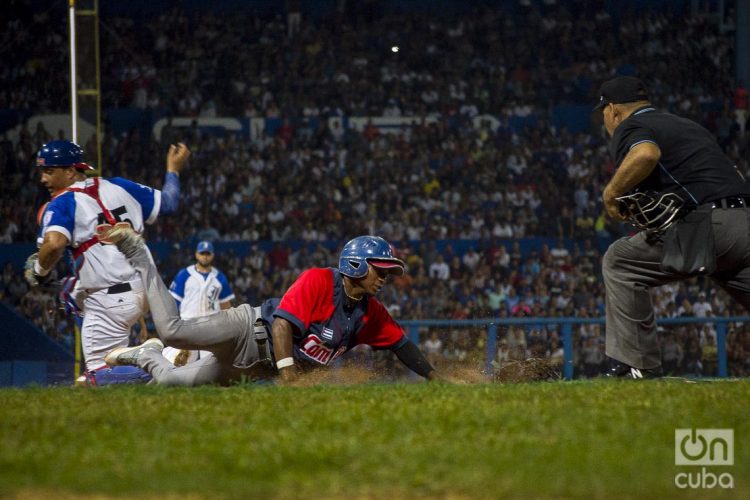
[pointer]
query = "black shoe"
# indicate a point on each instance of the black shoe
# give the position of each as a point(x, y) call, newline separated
point(621, 370)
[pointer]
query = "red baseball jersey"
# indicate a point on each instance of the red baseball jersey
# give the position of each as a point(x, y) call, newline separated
point(326, 324)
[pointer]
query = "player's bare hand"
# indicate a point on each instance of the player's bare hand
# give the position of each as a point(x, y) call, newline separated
point(611, 205)
point(288, 375)
point(177, 157)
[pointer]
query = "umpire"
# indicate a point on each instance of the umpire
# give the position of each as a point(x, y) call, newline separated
point(689, 202)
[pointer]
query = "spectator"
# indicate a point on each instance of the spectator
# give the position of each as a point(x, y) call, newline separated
point(439, 269)
point(592, 356)
point(433, 349)
point(702, 307)
point(672, 355)
point(709, 357)
point(471, 259)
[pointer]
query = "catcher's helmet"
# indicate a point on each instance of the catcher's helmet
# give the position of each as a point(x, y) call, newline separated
point(363, 249)
point(652, 212)
point(62, 154)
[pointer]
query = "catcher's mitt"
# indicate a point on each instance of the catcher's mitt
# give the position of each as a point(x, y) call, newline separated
point(36, 280)
point(527, 370)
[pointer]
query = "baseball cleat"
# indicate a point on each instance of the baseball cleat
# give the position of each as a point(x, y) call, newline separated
point(125, 239)
point(621, 370)
point(129, 355)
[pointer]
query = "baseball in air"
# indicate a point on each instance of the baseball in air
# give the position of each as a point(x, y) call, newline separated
point(394, 49)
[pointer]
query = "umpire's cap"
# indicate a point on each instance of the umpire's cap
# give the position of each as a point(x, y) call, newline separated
point(621, 90)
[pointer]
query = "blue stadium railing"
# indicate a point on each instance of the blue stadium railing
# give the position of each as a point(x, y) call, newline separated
point(566, 327)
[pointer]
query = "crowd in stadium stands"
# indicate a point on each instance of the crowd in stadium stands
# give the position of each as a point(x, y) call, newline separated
point(449, 179)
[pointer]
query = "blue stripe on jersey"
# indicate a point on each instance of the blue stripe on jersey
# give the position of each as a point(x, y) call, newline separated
point(178, 284)
point(226, 290)
point(61, 212)
point(641, 142)
point(170, 193)
point(144, 195)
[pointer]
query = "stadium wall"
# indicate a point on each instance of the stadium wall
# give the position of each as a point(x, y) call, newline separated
point(28, 356)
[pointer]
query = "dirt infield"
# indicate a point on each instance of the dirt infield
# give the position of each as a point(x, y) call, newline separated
point(528, 370)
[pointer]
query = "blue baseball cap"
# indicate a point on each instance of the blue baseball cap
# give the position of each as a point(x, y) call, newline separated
point(205, 246)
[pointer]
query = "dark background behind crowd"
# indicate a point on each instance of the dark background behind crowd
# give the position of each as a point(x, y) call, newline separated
point(300, 192)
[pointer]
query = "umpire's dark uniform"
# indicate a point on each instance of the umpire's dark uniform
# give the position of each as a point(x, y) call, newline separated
point(692, 165)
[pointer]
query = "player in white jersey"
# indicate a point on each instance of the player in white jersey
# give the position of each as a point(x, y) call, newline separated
point(200, 290)
point(108, 289)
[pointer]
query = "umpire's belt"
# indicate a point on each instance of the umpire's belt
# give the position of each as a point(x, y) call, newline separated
point(731, 202)
point(119, 288)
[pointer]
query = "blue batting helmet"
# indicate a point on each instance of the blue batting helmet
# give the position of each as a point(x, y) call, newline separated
point(62, 154)
point(360, 251)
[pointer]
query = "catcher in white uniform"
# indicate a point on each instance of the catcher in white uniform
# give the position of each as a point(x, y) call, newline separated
point(200, 290)
point(108, 290)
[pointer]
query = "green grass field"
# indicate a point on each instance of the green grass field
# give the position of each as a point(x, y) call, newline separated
point(579, 439)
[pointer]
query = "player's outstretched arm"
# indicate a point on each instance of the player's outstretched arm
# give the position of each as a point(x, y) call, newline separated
point(177, 158)
point(281, 332)
point(410, 355)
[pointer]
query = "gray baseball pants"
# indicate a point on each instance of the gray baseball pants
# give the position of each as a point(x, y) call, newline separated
point(631, 268)
point(228, 334)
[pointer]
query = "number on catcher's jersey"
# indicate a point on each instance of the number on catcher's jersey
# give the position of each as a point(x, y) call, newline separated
point(117, 213)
